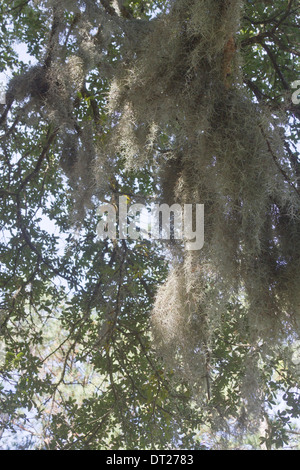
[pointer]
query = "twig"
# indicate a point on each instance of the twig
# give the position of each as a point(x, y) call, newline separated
point(285, 175)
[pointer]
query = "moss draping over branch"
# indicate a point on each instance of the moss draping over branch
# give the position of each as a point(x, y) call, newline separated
point(178, 79)
point(226, 152)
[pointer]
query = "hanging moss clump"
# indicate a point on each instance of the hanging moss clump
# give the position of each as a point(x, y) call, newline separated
point(177, 102)
point(184, 81)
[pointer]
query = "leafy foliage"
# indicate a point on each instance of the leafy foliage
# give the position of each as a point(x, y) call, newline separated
point(82, 369)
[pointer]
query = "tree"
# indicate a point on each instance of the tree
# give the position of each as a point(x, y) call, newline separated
point(128, 343)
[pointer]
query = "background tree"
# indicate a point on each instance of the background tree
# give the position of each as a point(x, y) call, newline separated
point(131, 344)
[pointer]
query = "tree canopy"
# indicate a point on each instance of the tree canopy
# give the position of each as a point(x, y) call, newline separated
point(142, 344)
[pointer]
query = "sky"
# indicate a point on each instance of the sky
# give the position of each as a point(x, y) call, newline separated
point(22, 52)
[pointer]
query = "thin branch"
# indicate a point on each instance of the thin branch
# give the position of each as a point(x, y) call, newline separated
point(284, 174)
point(108, 8)
point(40, 160)
point(272, 57)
